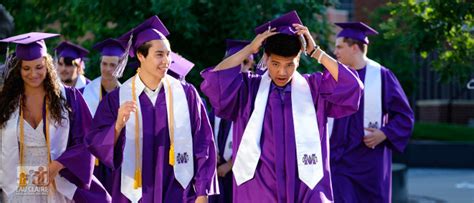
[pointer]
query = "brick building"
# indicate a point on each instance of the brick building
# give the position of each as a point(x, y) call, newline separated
point(433, 101)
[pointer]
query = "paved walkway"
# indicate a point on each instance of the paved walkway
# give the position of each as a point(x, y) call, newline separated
point(429, 185)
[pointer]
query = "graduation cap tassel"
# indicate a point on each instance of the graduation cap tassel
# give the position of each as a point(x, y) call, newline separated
point(261, 64)
point(55, 59)
point(123, 60)
point(9, 65)
point(303, 44)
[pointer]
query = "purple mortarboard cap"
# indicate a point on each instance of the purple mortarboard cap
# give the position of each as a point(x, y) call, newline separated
point(151, 29)
point(68, 49)
point(356, 30)
point(283, 24)
point(180, 65)
point(234, 46)
point(110, 47)
point(31, 45)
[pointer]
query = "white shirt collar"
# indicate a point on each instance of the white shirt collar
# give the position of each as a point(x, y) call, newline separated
point(152, 94)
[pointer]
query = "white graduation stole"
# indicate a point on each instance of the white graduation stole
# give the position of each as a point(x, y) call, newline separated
point(80, 82)
point(92, 93)
point(330, 126)
point(372, 98)
point(307, 138)
point(217, 122)
point(183, 140)
point(59, 135)
point(228, 142)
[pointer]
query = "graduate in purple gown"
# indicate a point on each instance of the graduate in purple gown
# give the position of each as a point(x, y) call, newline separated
point(223, 130)
point(362, 143)
point(110, 50)
point(42, 126)
point(280, 145)
point(223, 137)
point(70, 64)
point(153, 130)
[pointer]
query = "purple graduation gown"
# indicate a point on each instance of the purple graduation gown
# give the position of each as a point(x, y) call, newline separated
point(76, 159)
point(81, 90)
point(232, 94)
point(158, 180)
point(225, 183)
point(102, 172)
point(361, 174)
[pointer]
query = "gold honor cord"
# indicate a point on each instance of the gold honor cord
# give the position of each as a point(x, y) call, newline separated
point(22, 182)
point(138, 173)
point(171, 123)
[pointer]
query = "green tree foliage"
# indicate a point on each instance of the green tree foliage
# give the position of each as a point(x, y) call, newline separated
point(198, 27)
point(437, 33)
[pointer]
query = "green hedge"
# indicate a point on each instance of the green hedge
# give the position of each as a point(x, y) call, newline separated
point(442, 132)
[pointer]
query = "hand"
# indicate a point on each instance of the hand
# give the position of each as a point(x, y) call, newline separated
point(124, 114)
point(302, 30)
point(53, 169)
point(201, 199)
point(374, 138)
point(258, 40)
point(218, 159)
point(223, 169)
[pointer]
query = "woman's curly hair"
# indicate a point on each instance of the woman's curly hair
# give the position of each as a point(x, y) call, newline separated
point(14, 89)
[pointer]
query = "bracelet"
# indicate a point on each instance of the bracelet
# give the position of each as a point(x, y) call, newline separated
point(320, 56)
point(314, 51)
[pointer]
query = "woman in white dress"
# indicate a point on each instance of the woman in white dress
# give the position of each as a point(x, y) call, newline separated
point(42, 125)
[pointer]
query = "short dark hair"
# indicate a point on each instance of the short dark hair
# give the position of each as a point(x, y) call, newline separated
point(143, 49)
point(282, 45)
point(362, 46)
point(69, 61)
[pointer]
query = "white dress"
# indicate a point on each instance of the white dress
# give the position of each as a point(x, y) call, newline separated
point(36, 163)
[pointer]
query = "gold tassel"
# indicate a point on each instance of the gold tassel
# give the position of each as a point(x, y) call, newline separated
point(23, 179)
point(138, 179)
point(171, 156)
point(171, 123)
point(96, 161)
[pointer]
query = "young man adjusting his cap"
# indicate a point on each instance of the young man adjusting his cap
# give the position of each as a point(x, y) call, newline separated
point(279, 118)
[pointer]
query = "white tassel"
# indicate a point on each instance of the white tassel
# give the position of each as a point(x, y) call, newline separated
point(303, 44)
point(55, 59)
point(262, 65)
point(7, 67)
point(118, 73)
